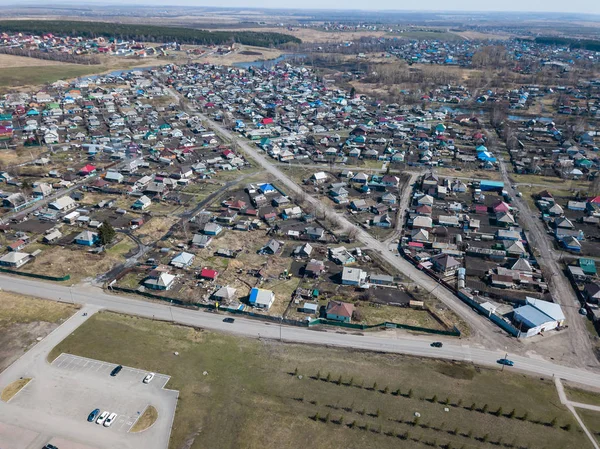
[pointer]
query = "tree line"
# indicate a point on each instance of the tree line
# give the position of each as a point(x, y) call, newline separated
point(146, 33)
point(585, 44)
point(51, 55)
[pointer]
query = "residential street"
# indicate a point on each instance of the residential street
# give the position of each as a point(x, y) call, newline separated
point(562, 292)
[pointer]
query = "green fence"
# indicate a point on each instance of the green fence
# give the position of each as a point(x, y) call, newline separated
point(35, 275)
point(453, 333)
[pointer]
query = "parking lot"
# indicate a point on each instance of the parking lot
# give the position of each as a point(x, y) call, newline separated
point(57, 402)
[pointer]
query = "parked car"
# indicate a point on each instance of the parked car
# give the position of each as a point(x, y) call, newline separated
point(102, 418)
point(229, 320)
point(148, 378)
point(437, 344)
point(506, 362)
point(116, 371)
point(93, 415)
point(50, 446)
point(110, 419)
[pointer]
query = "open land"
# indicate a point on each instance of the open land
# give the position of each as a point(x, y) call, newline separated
point(248, 380)
point(23, 320)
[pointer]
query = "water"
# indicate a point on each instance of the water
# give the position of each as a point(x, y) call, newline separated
point(519, 118)
point(268, 63)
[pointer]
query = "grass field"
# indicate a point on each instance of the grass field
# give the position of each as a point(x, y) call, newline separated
point(27, 76)
point(253, 396)
point(583, 396)
point(591, 419)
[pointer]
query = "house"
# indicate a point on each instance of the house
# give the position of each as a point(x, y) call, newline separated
point(341, 255)
point(272, 247)
point(303, 250)
point(212, 229)
point(353, 276)
point(314, 233)
point(42, 190)
point(142, 203)
point(114, 176)
point(591, 291)
point(445, 264)
point(87, 238)
point(63, 204)
point(319, 177)
point(382, 221)
point(314, 268)
point(182, 260)
point(537, 316)
point(261, 298)
point(14, 259)
point(16, 246)
point(87, 170)
point(159, 280)
point(209, 274)
point(339, 311)
point(225, 294)
point(381, 279)
point(52, 236)
point(201, 240)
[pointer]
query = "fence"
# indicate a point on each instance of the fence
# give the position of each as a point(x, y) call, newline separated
point(35, 275)
point(466, 298)
point(453, 333)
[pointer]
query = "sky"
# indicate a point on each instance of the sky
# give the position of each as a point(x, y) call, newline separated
point(566, 6)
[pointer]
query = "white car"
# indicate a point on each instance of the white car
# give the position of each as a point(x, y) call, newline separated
point(148, 378)
point(102, 418)
point(110, 419)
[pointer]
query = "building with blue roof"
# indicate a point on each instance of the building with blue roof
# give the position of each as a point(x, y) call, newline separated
point(538, 316)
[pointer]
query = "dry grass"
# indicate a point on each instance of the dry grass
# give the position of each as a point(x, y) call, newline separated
point(145, 421)
point(19, 156)
point(310, 35)
point(376, 314)
point(78, 263)
point(154, 229)
point(237, 56)
point(12, 389)
point(11, 61)
point(20, 309)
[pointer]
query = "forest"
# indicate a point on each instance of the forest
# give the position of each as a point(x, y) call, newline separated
point(586, 44)
point(145, 33)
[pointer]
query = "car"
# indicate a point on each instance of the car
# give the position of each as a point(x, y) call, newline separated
point(93, 415)
point(229, 320)
point(506, 362)
point(148, 378)
point(50, 446)
point(110, 419)
point(102, 418)
point(437, 344)
point(116, 371)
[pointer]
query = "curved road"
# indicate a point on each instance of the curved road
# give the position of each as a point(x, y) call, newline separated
point(247, 327)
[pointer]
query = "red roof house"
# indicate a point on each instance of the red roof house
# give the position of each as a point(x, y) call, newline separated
point(89, 168)
point(207, 273)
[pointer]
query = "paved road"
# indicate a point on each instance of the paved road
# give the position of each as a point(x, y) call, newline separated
point(386, 341)
point(562, 292)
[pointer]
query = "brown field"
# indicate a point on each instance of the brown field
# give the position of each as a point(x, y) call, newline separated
point(23, 319)
point(10, 61)
point(310, 35)
point(76, 262)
